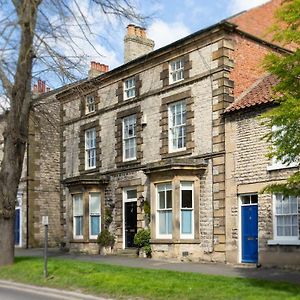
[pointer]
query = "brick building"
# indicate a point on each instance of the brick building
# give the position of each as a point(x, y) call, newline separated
point(153, 130)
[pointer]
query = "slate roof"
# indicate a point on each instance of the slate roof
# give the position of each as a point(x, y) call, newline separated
point(261, 92)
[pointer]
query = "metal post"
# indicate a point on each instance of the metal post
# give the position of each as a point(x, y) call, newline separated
point(46, 252)
point(45, 223)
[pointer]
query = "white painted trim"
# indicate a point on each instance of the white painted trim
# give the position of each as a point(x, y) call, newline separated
point(77, 237)
point(163, 236)
point(284, 242)
point(192, 235)
point(125, 200)
point(281, 239)
point(90, 227)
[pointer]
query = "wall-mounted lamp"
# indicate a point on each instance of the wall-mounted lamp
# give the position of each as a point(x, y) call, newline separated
point(142, 200)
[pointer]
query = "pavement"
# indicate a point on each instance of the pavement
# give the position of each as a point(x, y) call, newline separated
point(274, 274)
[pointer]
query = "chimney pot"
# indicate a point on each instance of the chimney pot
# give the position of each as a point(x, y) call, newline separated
point(97, 69)
point(136, 43)
point(131, 29)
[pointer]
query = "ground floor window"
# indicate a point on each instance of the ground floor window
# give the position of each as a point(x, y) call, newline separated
point(94, 215)
point(77, 216)
point(286, 223)
point(164, 210)
point(187, 209)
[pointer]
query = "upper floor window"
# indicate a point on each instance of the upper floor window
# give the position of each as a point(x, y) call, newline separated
point(129, 88)
point(94, 214)
point(176, 68)
point(286, 224)
point(177, 126)
point(77, 216)
point(280, 164)
point(129, 138)
point(187, 209)
point(164, 210)
point(90, 105)
point(90, 148)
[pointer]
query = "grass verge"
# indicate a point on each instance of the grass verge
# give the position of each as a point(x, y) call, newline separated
point(123, 282)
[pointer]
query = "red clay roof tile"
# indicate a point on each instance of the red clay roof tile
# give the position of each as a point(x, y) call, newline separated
point(259, 93)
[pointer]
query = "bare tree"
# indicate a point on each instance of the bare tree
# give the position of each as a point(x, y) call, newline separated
point(33, 34)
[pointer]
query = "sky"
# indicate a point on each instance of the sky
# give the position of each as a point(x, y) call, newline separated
point(169, 21)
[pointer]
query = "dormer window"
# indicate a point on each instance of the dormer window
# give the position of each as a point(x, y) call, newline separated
point(176, 68)
point(90, 105)
point(129, 88)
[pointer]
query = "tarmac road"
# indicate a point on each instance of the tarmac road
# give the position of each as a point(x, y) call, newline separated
point(16, 291)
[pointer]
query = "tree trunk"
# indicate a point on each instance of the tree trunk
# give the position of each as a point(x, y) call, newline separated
point(16, 131)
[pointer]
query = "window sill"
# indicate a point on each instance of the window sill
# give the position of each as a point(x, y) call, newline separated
point(284, 242)
point(277, 167)
point(178, 153)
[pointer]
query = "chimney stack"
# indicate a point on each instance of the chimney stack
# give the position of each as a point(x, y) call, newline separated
point(136, 43)
point(40, 88)
point(97, 69)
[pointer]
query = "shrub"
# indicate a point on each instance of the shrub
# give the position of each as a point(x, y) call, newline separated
point(105, 239)
point(142, 240)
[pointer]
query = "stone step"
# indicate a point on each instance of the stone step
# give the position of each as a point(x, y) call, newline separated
point(129, 252)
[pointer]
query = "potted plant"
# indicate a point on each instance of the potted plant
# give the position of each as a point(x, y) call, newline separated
point(106, 241)
point(142, 241)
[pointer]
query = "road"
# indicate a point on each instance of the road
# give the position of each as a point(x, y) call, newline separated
point(17, 291)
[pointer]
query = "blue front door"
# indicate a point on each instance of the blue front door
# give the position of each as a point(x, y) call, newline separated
point(17, 227)
point(249, 234)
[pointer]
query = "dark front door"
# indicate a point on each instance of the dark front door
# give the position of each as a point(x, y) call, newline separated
point(17, 227)
point(249, 234)
point(130, 223)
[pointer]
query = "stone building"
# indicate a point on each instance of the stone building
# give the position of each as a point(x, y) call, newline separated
point(153, 131)
point(39, 188)
point(260, 228)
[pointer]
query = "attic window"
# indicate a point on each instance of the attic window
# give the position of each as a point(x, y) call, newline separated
point(129, 88)
point(176, 68)
point(90, 105)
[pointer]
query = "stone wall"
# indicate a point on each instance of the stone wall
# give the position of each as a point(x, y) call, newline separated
point(247, 171)
point(199, 87)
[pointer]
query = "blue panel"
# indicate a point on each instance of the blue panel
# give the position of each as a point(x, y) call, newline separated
point(95, 225)
point(186, 222)
point(17, 227)
point(249, 234)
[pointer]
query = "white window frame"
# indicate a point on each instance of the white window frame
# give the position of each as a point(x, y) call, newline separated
point(90, 149)
point(275, 214)
point(129, 88)
point(187, 188)
point(97, 214)
point(176, 70)
point(173, 127)
point(128, 138)
point(276, 164)
point(90, 105)
point(158, 210)
point(77, 215)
